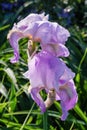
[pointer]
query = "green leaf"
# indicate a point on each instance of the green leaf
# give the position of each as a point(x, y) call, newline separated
point(80, 113)
point(12, 99)
point(3, 63)
point(11, 75)
point(3, 90)
point(4, 27)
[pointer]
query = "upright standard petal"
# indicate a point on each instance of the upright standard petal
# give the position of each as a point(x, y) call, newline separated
point(52, 37)
point(51, 32)
point(32, 18)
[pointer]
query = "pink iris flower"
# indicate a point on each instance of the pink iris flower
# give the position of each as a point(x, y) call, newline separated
point(50, 73)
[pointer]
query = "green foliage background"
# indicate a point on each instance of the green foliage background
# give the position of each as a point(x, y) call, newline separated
point(17, 110)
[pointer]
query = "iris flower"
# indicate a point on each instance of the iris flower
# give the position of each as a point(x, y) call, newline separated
point(50, 73)
point(52, 36)
point(46, 69)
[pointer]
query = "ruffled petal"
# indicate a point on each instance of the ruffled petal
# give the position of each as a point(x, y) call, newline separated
point(51, 33)
point(62, 34)
point(62, 51)
point(27, 23)
point(52, 37)
point(58, 50)
point(68, 97)
point(67, 75)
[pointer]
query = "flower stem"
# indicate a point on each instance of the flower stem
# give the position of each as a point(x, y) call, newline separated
point(45, 123)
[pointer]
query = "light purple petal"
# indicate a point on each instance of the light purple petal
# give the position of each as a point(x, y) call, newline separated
point(58, 50)
point(45, 70)
point(68, 97)
point(32, 18)
point(64, 112)
point(67, 75)
point(26, 24)
point(14, 37)
point(37, 98)
point(62, 34)
point(43, 32)
point(62, 51)
point(51, 33)
point(52, 37)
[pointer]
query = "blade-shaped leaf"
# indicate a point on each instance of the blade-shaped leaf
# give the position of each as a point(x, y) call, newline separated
point(3, 90)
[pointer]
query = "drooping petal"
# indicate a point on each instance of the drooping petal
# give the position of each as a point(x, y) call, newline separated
point(45, 70)
point(37, 98)
point(50, 73)
point(24, 28)
point(68, 97)
point(14, 37)
point(56, 74)
point(67, 75)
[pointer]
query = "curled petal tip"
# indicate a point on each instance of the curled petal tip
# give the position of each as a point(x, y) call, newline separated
point(43, 110)
point(64, 116)
point(14, 36)
point(13, 60)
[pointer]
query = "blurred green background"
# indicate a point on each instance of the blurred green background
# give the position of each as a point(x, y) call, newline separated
point(17, 110)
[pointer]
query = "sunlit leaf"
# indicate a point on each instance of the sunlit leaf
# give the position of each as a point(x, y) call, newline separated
point(11, 75)
point(3, 90)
